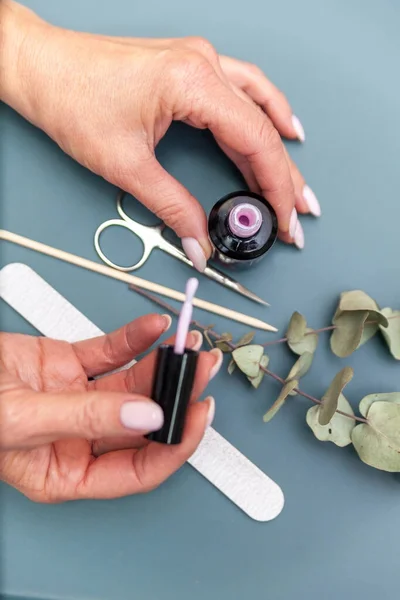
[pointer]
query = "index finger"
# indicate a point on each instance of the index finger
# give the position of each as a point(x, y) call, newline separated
point(250, 133)
point(113, 350)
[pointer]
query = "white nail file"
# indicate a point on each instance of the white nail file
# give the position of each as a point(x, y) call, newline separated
point(215, 458)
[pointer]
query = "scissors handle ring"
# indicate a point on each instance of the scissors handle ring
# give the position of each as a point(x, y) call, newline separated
point(120, 196)
point(119, 223)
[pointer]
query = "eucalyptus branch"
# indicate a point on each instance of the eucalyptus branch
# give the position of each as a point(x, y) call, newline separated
point(312, 332)
point(374, 435)
point(233, 346)
point(322, 330)
point(315, 400)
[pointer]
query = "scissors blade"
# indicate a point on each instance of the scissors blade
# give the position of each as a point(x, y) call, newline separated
point(210, 272)
point(230, 283)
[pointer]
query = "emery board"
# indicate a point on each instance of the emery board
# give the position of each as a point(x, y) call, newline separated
point(215, 458)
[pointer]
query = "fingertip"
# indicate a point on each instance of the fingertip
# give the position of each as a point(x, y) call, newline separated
point(298, 129)
point(293, 222)
point(211, 410)
point(151, 326)
point(299, 236)
point(196, 423)
point(195, 253)
point(167, 321)
point(207, 247)
point(138, 415)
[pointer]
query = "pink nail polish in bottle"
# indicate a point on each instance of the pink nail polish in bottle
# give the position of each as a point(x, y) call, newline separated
point(242, 227)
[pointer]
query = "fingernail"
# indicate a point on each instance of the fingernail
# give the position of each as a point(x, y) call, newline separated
point(197, 340)
point(142, 416)
point(211, 410)
point(312, 201)
point(195, 253)
point(299, 236)
point(298, 127)
point(216, 352)
point(167, 322)
point(292, 223)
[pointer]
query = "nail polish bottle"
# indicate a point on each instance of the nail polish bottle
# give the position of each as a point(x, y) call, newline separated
point(174, 375)
point(172, 387)
point(242, 227)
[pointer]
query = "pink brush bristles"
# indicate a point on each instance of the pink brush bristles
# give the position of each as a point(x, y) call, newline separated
point(185, 316)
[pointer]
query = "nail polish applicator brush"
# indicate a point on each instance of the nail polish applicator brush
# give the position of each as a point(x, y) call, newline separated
point(174, 375)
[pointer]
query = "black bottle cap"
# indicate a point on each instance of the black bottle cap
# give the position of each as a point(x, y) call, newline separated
point(172, 387)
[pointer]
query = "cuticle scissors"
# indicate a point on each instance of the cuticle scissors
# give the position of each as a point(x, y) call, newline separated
point(152, 237)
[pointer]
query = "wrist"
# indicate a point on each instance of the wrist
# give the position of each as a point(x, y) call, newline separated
point(22, 35)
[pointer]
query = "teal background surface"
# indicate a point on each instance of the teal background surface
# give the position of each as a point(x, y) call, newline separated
point(339, 533)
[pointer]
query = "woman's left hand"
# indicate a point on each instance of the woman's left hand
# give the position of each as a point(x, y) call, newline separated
point(66, 436)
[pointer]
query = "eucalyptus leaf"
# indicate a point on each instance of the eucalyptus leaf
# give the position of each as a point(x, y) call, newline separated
point(374, 449)
point(384, 418)
point(348, 333)
point(226, 337)
point(391, 333)
point(338, 431)
point(301, 366)
point(248, 359)
point(231, 367)
point(307, 344)
point(255, 381)
point(279, 402)
point(370, 329)
point(357, 300)
point(223, 346)
point(371, 398)
point(297, 328)
point(246, 339)
point(331, 397)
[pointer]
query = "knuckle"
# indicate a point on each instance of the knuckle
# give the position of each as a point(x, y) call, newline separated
point(187, 67)
point(254, 69)
point(201, 45)
point(12, 427)
point(108, 351)
point(269, 137)
point(172, 214)
point(89, 418)
point(265, 138)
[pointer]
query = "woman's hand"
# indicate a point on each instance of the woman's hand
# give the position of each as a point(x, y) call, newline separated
point(108, 101)
point(64, 436)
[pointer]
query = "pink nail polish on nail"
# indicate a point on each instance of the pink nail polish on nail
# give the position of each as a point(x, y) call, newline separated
point(141, 416)
point(293, 223)
point(211, 411)
point(198, 340)
point(299, 236)
point(195, 253)
point(312, 202)
point(298, 127)
point(167, 321)
point(216, 352)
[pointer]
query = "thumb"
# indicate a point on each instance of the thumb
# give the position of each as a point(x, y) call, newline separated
point(32, 419)
point(175, 206)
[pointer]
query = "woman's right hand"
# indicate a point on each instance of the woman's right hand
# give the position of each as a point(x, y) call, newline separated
point(108, 101)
